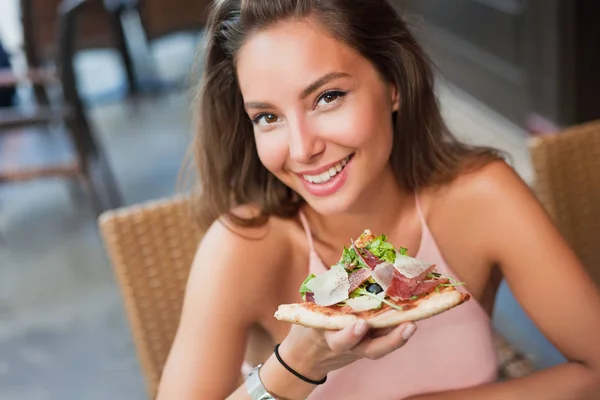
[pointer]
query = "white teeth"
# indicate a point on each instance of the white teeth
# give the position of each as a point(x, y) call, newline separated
point(327, 175)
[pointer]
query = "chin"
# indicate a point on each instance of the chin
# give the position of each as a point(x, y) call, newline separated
point(332, 205)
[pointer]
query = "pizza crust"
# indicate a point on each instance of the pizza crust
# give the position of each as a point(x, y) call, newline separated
point(433, 304)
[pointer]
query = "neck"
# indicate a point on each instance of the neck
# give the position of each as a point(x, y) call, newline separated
point(380, 209)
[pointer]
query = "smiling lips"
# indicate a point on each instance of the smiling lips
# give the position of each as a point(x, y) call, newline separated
point(328, 174)
point(326, 181)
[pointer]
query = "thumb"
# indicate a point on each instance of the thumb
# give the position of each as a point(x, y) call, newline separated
point(347, 338)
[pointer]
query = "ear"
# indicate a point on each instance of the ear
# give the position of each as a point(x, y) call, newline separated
point(394, 96)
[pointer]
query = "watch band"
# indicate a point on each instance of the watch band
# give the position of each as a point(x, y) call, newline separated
point(255, 388)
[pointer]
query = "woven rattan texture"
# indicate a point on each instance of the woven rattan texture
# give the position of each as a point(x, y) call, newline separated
point(151, 247)
point(567, 167)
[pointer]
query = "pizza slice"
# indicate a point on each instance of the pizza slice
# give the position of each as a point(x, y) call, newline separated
point(373, 281)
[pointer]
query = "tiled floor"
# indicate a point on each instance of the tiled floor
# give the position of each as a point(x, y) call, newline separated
point(63, 334)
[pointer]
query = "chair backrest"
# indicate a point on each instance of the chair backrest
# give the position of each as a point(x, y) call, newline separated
point(151, 247)
point(567, 166)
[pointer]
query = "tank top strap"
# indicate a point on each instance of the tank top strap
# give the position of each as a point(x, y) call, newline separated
point(306, 227)
point(426, 243)
point(315, 264)
point(420, 210)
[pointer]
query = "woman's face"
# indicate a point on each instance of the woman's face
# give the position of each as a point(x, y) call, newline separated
point(321, 114)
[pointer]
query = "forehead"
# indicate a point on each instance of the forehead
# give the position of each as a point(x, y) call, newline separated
point(292, 54)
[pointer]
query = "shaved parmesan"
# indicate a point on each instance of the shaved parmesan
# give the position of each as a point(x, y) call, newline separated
point(330, 287)
point(382, 274)
point(410, 267)
point(363, 303)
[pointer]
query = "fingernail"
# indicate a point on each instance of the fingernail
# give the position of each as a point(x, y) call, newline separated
point(408, 331)
point(360, 327)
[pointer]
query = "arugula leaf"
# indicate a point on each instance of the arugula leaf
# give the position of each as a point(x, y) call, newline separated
point(451, 284)
point(454, 281)
point(349, 257)
point(382, 249)
point(303, 288)
point(351, 260)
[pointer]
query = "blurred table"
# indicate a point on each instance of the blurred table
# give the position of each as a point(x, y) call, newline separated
point(127, 25)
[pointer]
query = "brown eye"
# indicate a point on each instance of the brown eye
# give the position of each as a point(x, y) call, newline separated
point(330, 97)
point(265, 119)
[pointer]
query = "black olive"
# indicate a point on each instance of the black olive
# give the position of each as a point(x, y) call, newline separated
point(374, 288)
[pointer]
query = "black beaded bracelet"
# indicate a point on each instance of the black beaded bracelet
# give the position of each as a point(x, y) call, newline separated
point(299, 376)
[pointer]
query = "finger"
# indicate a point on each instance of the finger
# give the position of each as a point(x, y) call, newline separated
point(347, 338)
point(378, 347)
point(380, 331)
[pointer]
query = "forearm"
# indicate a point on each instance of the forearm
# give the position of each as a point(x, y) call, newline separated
point(279, 382)
point(572, 381)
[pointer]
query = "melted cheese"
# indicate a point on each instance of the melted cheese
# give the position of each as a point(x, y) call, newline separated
point(363, 303)
point(330, 287)
point(409, 266)
point(382, 274)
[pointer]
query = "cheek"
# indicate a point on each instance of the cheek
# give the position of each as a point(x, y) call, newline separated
point(272, 151)
point(361, 125)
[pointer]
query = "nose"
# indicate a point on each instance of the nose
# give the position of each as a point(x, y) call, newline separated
point(304, 142)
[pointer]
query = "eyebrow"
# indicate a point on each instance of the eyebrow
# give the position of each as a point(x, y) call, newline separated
point(305, 93)
point(320, 82)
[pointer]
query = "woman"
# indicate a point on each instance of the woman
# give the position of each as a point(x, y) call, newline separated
point(317, 120)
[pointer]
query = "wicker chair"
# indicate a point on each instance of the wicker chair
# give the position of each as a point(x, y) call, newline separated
point(567, 167)
point(151, 247)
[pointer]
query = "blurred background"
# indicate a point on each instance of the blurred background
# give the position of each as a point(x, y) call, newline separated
point(95, 115)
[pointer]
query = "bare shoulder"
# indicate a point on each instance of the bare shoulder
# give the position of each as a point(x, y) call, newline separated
point(242, 258)
point(476, 214)
point(481, 194)
point(224, 297)
point(490, 183)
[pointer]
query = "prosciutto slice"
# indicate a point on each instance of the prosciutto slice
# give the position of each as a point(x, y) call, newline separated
point(371, 260)
point(367, 258)
point(428, 287)
point(357, 278)
point(403, 287)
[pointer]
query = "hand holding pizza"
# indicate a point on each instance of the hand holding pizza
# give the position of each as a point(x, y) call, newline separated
point(363, 307)
point(315, 352)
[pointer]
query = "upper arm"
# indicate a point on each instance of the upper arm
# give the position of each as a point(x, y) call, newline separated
point(542, 271)
point(218, 309)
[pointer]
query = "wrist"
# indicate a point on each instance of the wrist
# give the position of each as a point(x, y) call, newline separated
point(281, 383)
point(303, 362)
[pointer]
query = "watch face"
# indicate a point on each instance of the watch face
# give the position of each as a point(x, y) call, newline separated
point(255, 388)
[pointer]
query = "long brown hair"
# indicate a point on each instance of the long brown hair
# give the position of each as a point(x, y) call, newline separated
point(424, 151)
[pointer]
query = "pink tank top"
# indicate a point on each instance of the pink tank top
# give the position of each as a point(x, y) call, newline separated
point(449, 351)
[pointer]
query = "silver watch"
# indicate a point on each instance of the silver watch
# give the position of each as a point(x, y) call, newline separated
point(255, 388)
